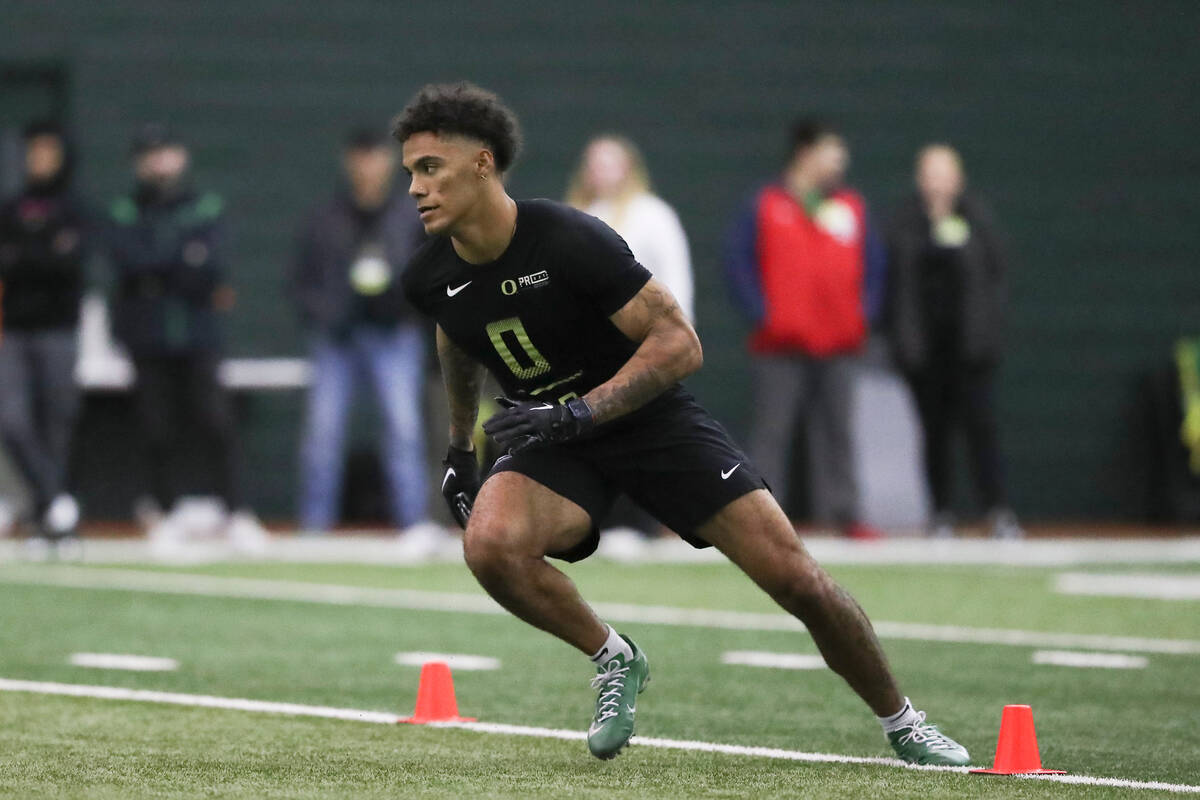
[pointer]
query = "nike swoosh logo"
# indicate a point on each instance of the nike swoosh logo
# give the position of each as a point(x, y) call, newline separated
point(632, 709)
point(450, 473)
point(725, 475)
point(451, 292)
point(594, 727)
point(543, 407)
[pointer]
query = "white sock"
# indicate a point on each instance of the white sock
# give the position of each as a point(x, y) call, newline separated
point(906, 717)
point(612, 645)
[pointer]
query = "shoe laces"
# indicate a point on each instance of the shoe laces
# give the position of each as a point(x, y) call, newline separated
point(924, 733)
point(611, 682)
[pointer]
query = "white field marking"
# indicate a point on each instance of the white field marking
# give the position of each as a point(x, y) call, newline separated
point(179, 583)
point(453, 660)
point(1019, 638)
point(758, 658)
point(1074, 658)
point(385, 718)
point(373, 548)
point(199, 700)
point(1138, 584)
point(118, 661)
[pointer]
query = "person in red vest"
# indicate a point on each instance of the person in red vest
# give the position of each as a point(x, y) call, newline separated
point(807, 269)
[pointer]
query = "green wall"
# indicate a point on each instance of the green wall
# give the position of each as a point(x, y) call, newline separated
point(1076, 119)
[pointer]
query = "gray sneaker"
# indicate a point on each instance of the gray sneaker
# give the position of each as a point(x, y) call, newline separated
point(619, 682)
point(923, 743)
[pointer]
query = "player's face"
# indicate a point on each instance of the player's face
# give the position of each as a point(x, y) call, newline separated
point(446, 179)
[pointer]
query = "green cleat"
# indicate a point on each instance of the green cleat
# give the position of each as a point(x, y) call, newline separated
point(923, 743)
point(619, 683)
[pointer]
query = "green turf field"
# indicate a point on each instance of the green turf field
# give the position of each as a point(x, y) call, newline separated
point(1137, 724)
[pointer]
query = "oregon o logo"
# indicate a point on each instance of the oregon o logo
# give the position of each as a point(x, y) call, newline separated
point(509, 287)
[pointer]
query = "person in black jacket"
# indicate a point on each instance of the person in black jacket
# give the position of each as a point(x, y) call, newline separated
point(43, 248)
point(166, 245)
point(947, 307)
point(345, 281)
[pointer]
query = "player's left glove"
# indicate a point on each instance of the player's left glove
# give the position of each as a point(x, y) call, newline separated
point(460, 483)
point(530, 423)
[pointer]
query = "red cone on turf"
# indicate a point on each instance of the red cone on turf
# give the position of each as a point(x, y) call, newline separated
point(435, 696)
point(1017, 748)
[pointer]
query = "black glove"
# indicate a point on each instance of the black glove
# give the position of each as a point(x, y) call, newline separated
point(530, 423)
point(460, 483)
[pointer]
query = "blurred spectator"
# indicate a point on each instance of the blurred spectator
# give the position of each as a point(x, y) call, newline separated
point(806, 267)
point(947, 307)
point(612, 183)
point(43, 245)
point(166, 245)
point(344, 280)
point(7, 517)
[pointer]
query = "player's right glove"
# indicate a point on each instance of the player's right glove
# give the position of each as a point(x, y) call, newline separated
point(523, 424)
point(460, 483)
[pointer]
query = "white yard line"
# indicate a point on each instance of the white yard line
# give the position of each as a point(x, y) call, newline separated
point(1057, 552)
point(457, 602)
point(1074, 658)
point(199, 700)
point(1153, 586)
point(377, 549)
point(1019, 638)
point(385, 718)
point(121, 661)
point(758, 658)
point(456, 661)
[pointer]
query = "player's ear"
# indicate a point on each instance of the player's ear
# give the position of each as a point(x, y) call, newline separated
point(485, 164)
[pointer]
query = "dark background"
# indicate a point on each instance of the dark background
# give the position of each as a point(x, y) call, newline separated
point(1077, 120)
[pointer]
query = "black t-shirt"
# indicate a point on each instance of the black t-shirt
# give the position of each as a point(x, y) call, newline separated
point(538, 316)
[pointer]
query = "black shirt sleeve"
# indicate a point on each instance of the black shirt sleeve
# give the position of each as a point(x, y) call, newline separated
point(602, 266)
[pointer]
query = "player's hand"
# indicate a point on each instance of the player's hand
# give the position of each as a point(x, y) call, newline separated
point(460, 483)
point(529, 423)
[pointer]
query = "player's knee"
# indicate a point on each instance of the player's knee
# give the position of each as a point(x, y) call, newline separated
point(488, 549)
point(801, 589)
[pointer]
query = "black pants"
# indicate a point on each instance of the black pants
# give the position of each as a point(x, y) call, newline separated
point(177, 394)
point(949, 394)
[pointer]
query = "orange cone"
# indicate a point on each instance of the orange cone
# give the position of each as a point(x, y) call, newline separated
point(435, 696)
point(1017, 748)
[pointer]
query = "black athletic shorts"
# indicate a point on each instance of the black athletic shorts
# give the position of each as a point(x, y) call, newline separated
point(670, 457)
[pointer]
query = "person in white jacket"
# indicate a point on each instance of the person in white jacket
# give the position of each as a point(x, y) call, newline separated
point(612, 183)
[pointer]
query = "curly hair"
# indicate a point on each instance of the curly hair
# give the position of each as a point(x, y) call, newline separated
point(464, 109)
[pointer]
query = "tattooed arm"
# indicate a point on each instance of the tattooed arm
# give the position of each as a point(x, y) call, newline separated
point(463, 378)
point(668, 351)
